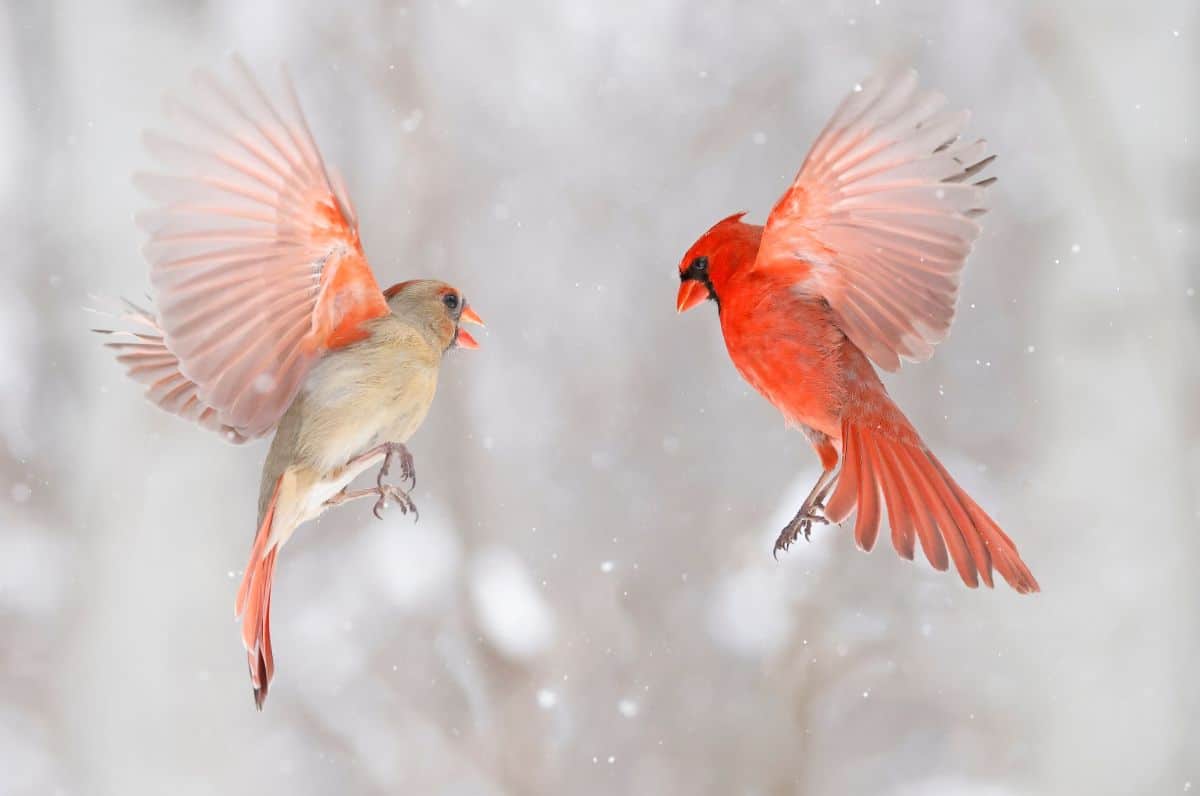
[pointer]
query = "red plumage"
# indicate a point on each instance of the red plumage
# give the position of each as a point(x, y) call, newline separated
point(860, 261)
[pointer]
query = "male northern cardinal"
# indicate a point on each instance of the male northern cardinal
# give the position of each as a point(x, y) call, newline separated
point(859, 261)
point(270, 318)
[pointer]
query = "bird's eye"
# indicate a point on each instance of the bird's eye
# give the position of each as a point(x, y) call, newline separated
point(450, 300)
point(699, 265)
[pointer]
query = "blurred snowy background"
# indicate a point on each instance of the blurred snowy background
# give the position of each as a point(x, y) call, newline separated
point(588, 604)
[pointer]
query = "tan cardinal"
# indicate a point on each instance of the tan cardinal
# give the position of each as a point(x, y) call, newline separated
point(268, 317)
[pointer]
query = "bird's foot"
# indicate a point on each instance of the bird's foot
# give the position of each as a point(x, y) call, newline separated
point(384, 493)
point(401, 498)
point(801, 524)
point(408, 471)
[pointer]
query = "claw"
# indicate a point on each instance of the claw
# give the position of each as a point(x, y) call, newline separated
point(779, 545)
point(408, 470)
point(405, 502)
point(402, 499)
point(812, 510)
point(801, 524)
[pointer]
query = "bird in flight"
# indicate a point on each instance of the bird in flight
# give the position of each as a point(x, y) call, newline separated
point(267, 317)
point(859, 262)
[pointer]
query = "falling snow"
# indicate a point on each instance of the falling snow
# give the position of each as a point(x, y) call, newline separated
point(591, 576)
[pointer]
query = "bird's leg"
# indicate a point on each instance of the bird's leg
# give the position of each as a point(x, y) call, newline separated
point(384, 492)
point(402, 497)
point(810, 512)
point(812, 509)
point(385, 451)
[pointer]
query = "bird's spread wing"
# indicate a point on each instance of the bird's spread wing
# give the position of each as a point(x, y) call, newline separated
point(881, 218)
point(254, 253)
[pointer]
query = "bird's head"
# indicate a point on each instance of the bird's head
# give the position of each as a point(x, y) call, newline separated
point(707, 266)
point(440, 308)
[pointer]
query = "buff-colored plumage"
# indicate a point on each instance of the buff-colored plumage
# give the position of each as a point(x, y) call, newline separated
point(376, 390)
point(269, 318)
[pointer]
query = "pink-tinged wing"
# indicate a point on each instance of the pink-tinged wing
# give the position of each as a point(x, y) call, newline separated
point(141, 349)
point(253, 249)
point(880, 219)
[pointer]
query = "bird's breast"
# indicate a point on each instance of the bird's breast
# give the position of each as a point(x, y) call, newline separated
point(788, 349)
point(360, 404)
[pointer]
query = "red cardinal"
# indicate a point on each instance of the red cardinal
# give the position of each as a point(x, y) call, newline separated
point(859, 262)
point(269, 318)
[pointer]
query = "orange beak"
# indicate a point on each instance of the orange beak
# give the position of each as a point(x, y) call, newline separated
point(464, 339)
point(691, 293)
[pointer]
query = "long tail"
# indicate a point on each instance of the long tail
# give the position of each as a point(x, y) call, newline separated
point(253, 605)
point(885, 463)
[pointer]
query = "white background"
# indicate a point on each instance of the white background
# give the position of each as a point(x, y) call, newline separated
point(588, 604)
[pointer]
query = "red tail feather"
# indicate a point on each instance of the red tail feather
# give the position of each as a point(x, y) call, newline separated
point(920, 497)
point(254, 606)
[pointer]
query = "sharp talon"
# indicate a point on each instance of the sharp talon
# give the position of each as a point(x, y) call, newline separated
point(412, 507)
point(399, 497)
point(408, 471)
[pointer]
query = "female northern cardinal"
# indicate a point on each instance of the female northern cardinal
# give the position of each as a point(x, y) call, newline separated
point(269, 317)
point(861, 259)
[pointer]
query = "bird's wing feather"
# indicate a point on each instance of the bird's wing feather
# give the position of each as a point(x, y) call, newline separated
point(880, 218)
point(254, 251)
point(141, 349)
